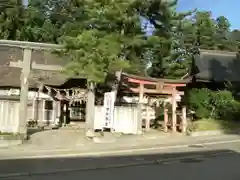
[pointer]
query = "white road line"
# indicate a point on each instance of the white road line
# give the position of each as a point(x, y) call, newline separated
point(180, 158)
point(114, 152)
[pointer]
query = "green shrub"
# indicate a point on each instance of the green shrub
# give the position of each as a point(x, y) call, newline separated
point(213, 104)
point(223, 104)
point(199, 101)
point(212, 124)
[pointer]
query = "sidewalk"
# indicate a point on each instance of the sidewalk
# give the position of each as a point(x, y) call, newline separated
point(122, 145)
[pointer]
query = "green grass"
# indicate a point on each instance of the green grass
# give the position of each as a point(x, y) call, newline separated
point(211, 124)
point(8, 134)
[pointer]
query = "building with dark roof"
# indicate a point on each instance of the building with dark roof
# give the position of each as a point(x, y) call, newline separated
point(47, 68)
point(48, 86)
point(216, 68)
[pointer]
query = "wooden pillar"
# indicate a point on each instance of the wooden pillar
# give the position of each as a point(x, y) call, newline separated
point(174, 114)
point(33, 108)
point(1, 115)
point(90, 110)
point(140, 108)
point(54, 111)
point(43, 110)
point(39, 104)
point(58, 112)
point(65, 115)
point(141, 93)
point(184, 120)
point(6, 110)
point(148, 118)
point(165, 120)
point(26, 68)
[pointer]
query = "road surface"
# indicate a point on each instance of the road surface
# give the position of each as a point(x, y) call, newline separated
point(213, 162)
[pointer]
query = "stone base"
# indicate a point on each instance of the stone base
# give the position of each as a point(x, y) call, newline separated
point(104, 140)
point(90, 133)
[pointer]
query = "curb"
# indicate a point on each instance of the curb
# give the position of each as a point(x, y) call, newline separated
point(117, 152)
point(212, 133)
point(205, 133)
point(9, 143)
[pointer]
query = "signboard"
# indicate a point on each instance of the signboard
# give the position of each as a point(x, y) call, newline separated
point(108, 106)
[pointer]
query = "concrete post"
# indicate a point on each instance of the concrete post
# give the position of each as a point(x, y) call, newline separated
point(54, 110)
point(33, 108)
point(90, 110)
point(26, 68)
point(43, 111)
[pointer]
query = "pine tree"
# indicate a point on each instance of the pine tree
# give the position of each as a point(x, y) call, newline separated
point(164, 44)
point(234, 37)
point(222, 34)
point(44, 19)
point(109, 38)
point(11, 19)
point(205, 30)
point(158, 13)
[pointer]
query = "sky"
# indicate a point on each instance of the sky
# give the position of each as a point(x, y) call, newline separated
point(228, 8)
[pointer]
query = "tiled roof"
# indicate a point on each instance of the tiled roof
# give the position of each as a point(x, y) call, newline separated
point(10, 76)
point(217, 66)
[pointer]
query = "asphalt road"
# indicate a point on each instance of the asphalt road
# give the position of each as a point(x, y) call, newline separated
point(215, 162)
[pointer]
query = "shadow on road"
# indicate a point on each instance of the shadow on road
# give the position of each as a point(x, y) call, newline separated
point(57, 166)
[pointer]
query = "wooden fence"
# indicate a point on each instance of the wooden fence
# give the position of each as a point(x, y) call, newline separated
point(9, 116)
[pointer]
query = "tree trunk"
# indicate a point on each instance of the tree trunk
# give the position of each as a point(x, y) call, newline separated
point(90, 110)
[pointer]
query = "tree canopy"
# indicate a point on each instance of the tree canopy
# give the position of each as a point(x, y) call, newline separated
point(101, 36)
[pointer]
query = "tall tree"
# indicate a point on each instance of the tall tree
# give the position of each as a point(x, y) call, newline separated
point(11, 19)
point(158, 13)
point(234, 36)
point(222, 34)
point(164, 43)
point(205, 30)
point(109, 34)
point(109, 38)
point(44, 20)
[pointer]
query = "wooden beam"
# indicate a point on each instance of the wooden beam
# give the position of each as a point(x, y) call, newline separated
point(150, 79)
point(155, 91)
point(138, 81)
point(30, 45)
point(175, 85)
point(34, 65)
point(160, 85)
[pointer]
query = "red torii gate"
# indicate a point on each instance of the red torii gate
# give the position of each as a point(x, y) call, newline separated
point(166, 87)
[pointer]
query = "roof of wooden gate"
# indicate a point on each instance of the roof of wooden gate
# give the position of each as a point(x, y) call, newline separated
point(132, 83)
